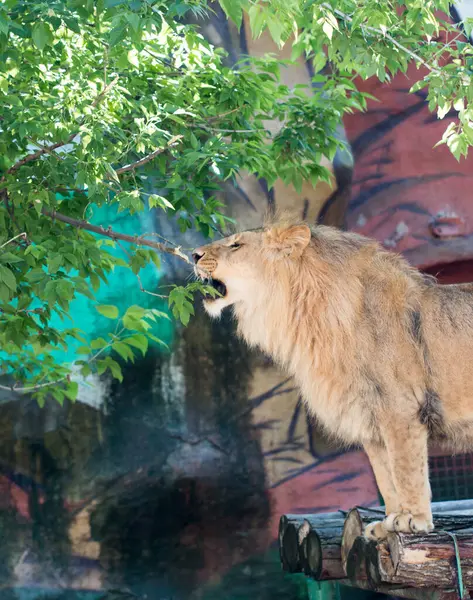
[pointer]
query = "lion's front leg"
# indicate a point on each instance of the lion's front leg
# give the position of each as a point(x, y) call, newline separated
point(406, 448)
point(378, 457)
point(406, 443)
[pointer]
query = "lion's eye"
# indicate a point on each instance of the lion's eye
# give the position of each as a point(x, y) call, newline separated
point(235, 246)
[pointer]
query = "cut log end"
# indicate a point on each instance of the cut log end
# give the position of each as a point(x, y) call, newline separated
point(373, 574)
point(290, 549)
point(352, 529)
point(313, 555)
point(356, 561)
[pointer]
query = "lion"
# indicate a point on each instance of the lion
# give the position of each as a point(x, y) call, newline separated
point(382, 353)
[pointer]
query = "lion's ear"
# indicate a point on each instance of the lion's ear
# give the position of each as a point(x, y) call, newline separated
point(290, 240)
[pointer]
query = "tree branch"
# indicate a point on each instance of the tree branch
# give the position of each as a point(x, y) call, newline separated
point(114, 235)
point(35, 155)
point(104, 92)
point(146, 159)
point(31, 388)
point(386, 35)
point(48, 149)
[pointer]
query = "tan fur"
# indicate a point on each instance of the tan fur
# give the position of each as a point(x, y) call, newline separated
point(382, 354)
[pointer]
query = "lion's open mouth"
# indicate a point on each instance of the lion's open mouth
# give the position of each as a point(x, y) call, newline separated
point(217, 285)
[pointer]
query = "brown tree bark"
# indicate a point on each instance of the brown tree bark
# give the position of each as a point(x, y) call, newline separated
point(424, 560)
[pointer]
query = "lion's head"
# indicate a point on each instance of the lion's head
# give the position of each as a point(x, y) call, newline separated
point(237, 265)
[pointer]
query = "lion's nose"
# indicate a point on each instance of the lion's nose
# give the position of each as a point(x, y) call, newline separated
point(197, 255)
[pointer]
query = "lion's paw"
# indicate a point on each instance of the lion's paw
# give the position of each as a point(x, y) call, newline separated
point(376, 531)
point(406, 522)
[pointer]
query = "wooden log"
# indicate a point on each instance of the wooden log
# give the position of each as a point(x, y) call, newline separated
point(355, 566)
point(319, 545)
point(409, 593)
point(320, 553)
point(363, 563)
point(373, 574)
point(353, 528)
point(424, 560)
point(289, 544)
point(311, 544)
point(298, 554)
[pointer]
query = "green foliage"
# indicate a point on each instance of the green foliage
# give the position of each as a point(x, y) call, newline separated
point(180, 299)
point(378, 39)
point(101, 97)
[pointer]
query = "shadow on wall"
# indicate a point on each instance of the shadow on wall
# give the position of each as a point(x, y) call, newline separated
point(193, 497)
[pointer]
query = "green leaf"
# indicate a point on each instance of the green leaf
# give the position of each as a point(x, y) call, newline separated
point(327, 28)
point(319, 62)
point(138, 341)
point(4, 26)
point(418, 86)
point(72, 390)
point(98, 343)
point(132, 57)
point(330, 17)
point(135, 311)
point(276, 28)
point(107, 310)
point(123, 350)
point(134, 20)
point(7, 278)
point(458, 145)
point(117, 34)
point(156, 200)
point(468, 130)
point(113, 366)
point(184, 315)
point(83, 350)
point(233, 10)
point(42, 35)
point(58, 394)
point(116, 370)
point(443, 109)
point(193, 140)
point(256, 17)
point(4, 86)
point(54, 263)
point(9, 257)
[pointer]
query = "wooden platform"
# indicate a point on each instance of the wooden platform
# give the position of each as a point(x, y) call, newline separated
point(331, 547)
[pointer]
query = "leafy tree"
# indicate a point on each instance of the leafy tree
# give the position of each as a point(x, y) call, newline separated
point(102, 97)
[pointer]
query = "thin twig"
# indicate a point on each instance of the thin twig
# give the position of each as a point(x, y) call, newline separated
point(114, 235)
point(34, 311)
point(140, 283)
point(154, 233)
point(145, 291)
point(146, 159)
point(104, 92)
point(229, 112)
point(216, 130)
point(32, 388)
point(46, 149)
point(20, 235)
